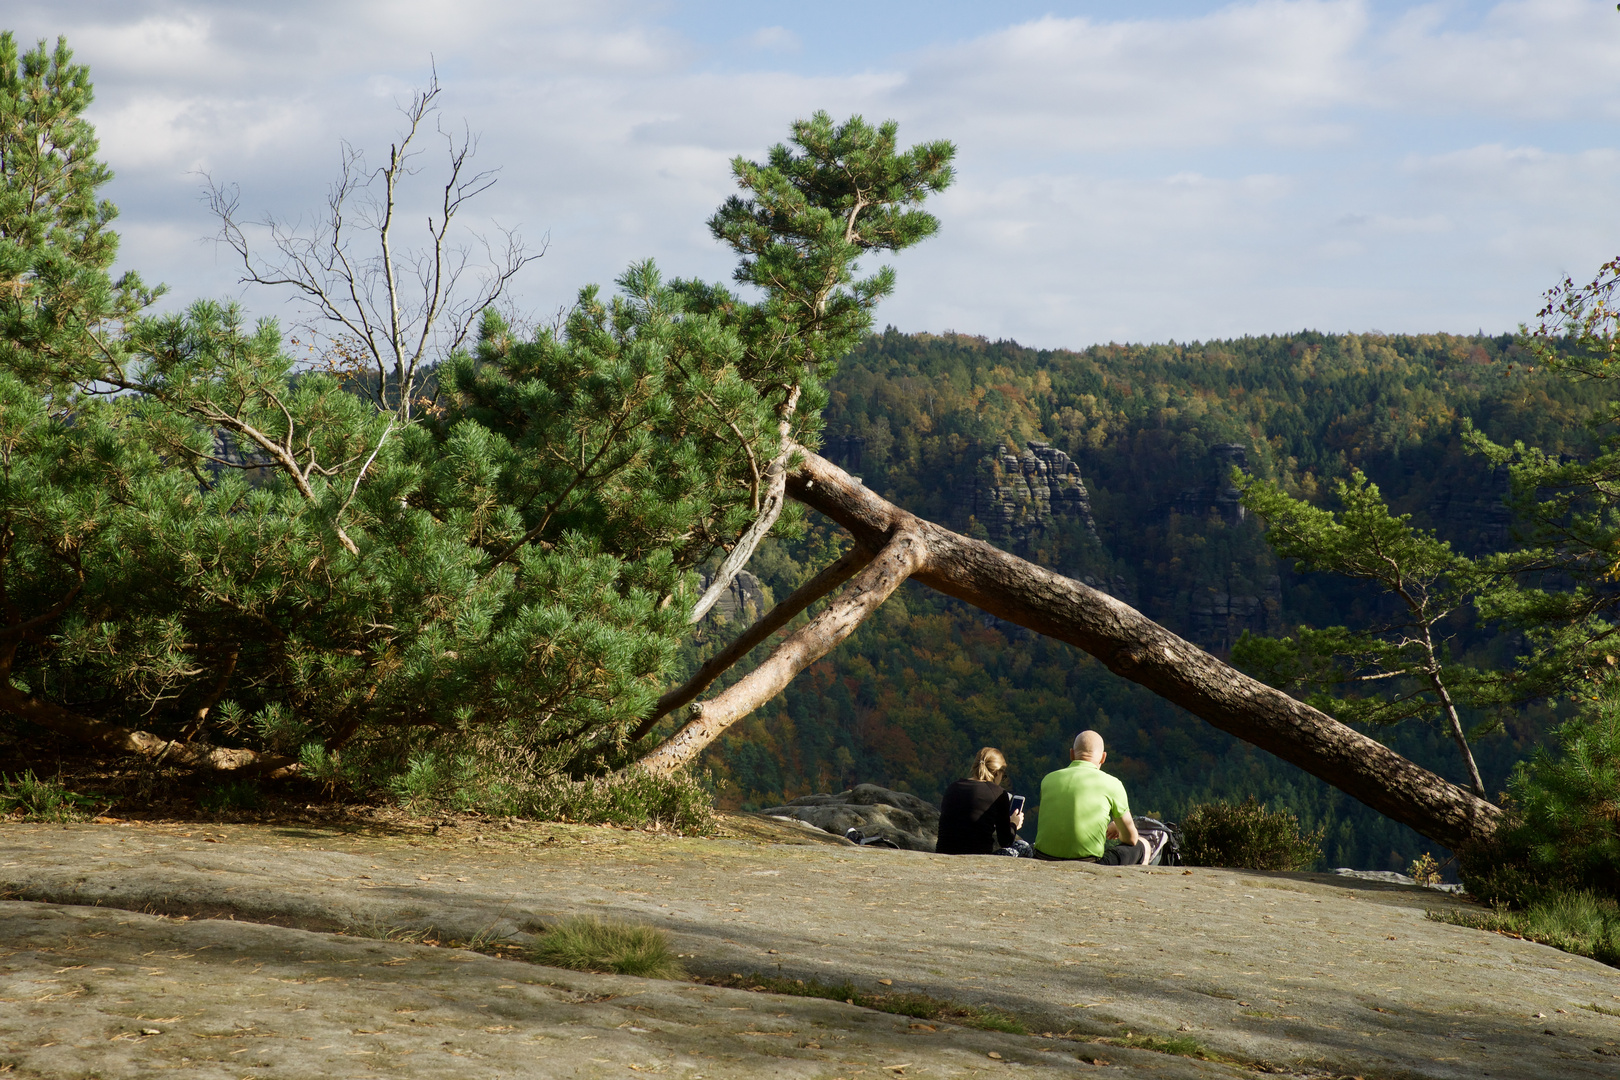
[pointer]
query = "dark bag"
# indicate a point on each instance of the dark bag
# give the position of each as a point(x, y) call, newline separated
point(1170, 851)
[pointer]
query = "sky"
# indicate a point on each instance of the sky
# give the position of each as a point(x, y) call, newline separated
point(1127, 171)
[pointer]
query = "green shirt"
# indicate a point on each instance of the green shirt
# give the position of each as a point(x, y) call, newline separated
point(1077, 803)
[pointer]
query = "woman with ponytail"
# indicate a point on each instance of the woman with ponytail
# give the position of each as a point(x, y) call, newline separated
point(976, 816)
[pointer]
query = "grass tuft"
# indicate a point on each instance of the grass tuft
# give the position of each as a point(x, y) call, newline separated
point(29, 798)
point(990, 1020)
point(381, 931)
point(920, 1006)
point(584, 943)
point(1581, 923)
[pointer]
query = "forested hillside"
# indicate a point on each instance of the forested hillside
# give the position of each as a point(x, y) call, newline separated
point(1112, 465)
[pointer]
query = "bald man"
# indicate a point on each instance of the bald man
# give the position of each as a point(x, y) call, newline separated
point(1084, 812)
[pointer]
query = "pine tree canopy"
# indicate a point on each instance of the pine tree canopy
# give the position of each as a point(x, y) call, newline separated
point(208, 548)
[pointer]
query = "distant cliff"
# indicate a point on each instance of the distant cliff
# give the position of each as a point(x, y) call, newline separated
point(744, 601)
point(1016, 497)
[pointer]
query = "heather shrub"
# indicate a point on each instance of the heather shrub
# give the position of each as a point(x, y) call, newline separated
point(1247, 835)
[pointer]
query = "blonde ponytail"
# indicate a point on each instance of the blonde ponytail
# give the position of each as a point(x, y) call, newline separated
point(990, 767)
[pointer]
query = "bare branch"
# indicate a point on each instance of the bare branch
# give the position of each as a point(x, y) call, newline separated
point(406, 308)
point(833, 575)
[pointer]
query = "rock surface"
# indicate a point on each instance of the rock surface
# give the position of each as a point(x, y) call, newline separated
point(903, 819)
point(743, 601)
point(1018, 496)
point(1217, 496)
point(1312, 975)
point(1394, 878)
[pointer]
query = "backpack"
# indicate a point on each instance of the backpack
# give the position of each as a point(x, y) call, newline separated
point(1170, 852)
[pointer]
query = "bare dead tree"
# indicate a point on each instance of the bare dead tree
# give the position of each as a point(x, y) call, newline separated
point(384, 308)
point(1128, 642)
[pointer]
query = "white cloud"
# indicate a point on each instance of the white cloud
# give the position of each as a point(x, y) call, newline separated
point(775, 39)
point(1261, 166)
point(1077, 84)
point(1524, 58)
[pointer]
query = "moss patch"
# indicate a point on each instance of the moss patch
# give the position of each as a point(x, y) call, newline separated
point(920, 1006)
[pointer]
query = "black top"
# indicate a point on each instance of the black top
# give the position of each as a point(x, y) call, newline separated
point(975, 818)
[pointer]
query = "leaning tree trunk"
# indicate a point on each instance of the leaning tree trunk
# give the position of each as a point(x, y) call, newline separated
point(833, 575)
point(1131, 645)
point(901, 555)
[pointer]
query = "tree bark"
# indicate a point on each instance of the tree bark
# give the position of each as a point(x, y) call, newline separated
point(189, 755)
point(833, 575)
point(748, 543)
point(901, 552)
point(1135, 647)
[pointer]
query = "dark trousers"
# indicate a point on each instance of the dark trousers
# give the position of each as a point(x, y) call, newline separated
point(1116, 855)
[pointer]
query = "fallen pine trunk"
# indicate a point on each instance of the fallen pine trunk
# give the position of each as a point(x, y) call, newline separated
point(1129, 643)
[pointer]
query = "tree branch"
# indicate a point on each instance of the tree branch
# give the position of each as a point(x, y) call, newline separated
point(833, 575)
point(775, 500)
point(1133, 646)
point(900, 556)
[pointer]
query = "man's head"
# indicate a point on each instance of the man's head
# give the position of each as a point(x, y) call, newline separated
point(1088, 746)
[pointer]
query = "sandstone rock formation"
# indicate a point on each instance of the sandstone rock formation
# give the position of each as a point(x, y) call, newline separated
point(1217, 496)
point(1478, 516)
point(1219, 618)
point(846, 450)
point(1018, 496)
point(743, 601)
point(874, 811)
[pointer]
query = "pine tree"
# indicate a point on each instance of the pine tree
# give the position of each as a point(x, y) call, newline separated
point(1398, 669)
point(59, 308)
point(221, 560)
point(1568, 801)
point(214, 558)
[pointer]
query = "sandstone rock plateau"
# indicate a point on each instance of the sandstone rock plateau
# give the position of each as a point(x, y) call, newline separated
point(119, 958)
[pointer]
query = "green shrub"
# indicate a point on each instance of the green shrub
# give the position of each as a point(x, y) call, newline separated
point(583, 943)
point(1565, 827)
point(1499, 871)
point(1247, 835)
point(508, 780)
point(431, 779)
point(1560, 835)
point(41, 800)
point(679, 802)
